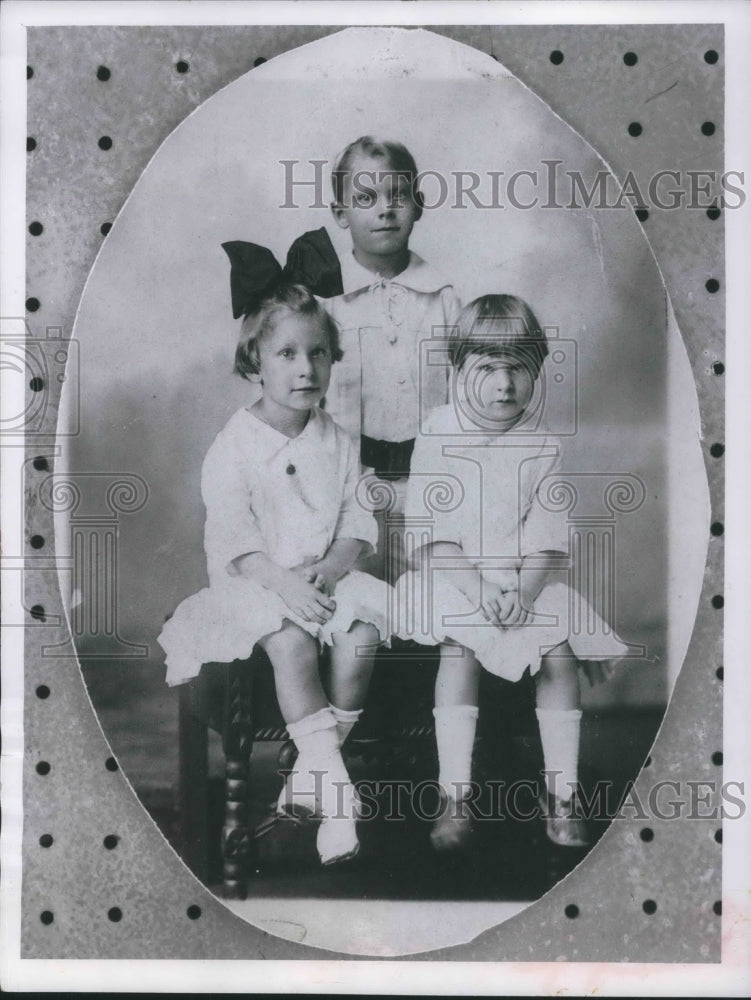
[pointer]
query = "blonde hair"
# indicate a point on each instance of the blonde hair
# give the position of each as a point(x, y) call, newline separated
point(286, 297)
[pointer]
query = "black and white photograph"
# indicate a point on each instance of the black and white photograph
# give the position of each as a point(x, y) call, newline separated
point(371, 449)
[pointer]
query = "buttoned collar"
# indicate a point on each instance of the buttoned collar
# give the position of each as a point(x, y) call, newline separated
point(271, 441)
point(417, 275)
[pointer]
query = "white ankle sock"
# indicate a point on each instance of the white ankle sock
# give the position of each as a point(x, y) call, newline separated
point(317, 742)
point(345, 720)
point(455, 727)
point(559, 735)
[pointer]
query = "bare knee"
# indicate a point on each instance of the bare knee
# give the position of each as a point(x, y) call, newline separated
point(290, 643)
point(360, 634)
point(559, 663)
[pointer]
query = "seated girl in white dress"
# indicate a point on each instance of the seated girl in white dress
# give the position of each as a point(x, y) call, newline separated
point(488, 585)
point(283, 530)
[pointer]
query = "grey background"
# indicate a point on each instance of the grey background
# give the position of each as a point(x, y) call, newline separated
point(73, 188)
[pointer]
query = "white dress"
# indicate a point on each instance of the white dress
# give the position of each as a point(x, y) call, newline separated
point(289, 498)
point(482, 492)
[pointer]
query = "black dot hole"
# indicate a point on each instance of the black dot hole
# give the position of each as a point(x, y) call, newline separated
point(648, 762)
point(36, 384)
point(46, 840)
point(37, 541)
point(717, 529)
point(42, 691)
point(31, 144)
point(182, 66)
point(43, 767)
point(717, 450)
point(572, 911)
point(712, 285)
point(635, 129)
point(47, 916)
point(708, 128)
point(115, 914)
point(111, 841)
point(718, 368)
point(720, 673)
point(111, 764)
point(32, 304)
point(717, 758)
point(259, 61)
point(36, 228)
point(717, 908)
point(649, 906)
point(41, 464)
point(29, 72)
point(105, 142)
point(718, 836)
point(718, 601)
point(711, 57)
point(647, 834)
point(713, 212)
point(642, 214)
point(103, 73)
point(193, 912)
point(630, 58)
point(105, 228)
point(37, 612)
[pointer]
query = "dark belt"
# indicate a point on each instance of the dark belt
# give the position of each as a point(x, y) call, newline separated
point(388, 459)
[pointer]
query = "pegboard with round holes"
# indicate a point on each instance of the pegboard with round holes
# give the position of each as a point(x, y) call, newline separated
point(99, 880)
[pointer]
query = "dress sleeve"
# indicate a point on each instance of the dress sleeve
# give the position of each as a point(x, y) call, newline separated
point(544, 530)
point(232, 528)
point(354, 521)
point(451, 305)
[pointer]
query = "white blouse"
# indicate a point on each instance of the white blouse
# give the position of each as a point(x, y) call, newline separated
point(289, 498)
point(377, 386)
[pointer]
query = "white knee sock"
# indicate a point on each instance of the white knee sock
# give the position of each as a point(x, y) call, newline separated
point(345, 720)
point(559, 735)
point(455, 727)
point(319, 759)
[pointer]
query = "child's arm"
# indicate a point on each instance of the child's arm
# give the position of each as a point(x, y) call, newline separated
point(465, 576)
point(339, 559)
point(356, 530)
point(300, 595)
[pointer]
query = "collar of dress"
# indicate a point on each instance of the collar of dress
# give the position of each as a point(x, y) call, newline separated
point(417, 275)
point(273, 440)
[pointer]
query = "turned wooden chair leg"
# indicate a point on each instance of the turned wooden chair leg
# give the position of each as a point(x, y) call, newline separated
point(237, 843)
point(193, 783)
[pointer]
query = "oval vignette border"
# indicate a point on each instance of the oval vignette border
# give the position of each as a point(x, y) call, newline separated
point(162, 929)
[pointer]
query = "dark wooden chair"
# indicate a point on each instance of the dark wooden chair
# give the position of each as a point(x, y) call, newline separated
point(238, 701)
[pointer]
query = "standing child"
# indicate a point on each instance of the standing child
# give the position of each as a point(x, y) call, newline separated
point(283, 531)
point(391, 301)
point(498, 601)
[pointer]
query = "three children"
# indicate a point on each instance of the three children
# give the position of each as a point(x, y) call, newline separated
point(284, 530)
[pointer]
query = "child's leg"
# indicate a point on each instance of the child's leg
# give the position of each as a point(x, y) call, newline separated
point(352, 657)
point(294, 657)
point(559, 717)
point(321, 777)
point(456, 697)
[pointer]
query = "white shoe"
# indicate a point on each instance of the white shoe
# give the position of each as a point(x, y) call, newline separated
point(337, 835)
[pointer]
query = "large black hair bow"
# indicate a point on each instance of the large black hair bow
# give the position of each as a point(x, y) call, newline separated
point(311, 261)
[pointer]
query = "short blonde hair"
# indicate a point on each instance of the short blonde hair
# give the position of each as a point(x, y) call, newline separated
point(286, 297)
point(499, 324)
